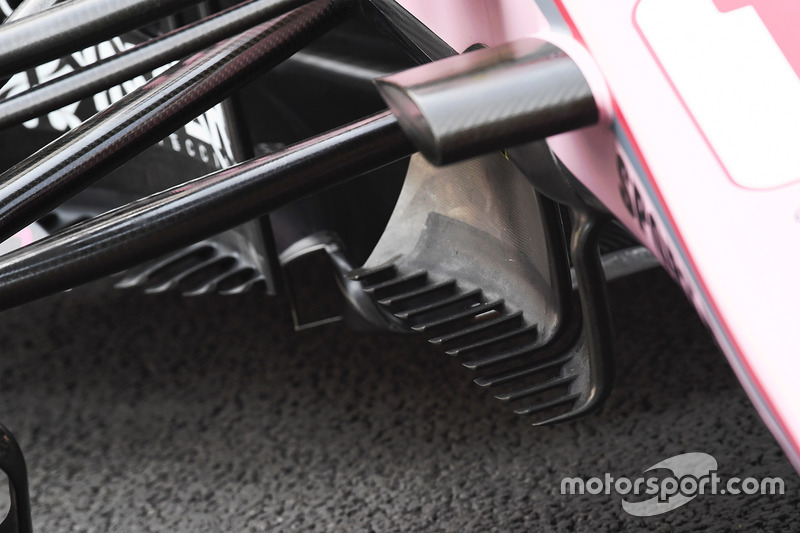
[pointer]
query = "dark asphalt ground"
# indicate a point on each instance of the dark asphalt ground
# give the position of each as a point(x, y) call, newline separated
point(142, 413)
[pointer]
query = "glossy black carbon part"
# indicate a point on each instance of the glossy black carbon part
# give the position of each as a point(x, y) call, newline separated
point(145, 57)
point(81, 156)
point(489, 99)
point(198, 209)
point(72, 25)
point(12, 463)
point(595, 347)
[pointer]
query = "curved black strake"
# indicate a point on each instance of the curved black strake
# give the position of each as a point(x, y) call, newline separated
point(550, 379)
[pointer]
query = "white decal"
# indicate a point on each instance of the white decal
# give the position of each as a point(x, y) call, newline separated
point(210, 141)
point(735, 79)
point(210, 128)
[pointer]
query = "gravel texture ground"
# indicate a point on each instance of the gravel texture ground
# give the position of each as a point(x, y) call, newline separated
point(141, 413)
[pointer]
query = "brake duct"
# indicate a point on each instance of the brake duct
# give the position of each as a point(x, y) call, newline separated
point(450, 110)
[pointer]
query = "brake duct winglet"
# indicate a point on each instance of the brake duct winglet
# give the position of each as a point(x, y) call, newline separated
point(474, 256)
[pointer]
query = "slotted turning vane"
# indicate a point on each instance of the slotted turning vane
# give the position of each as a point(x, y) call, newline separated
point(473, 259)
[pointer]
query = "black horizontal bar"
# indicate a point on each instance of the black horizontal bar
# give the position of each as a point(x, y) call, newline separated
point(103, 142)
point(140, 59)
point(70, 26)
point(184, 214)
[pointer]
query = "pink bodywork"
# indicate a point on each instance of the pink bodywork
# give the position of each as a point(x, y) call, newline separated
point(727, 230)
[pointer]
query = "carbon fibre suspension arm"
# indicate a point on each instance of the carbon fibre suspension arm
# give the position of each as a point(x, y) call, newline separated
point(198, 209)
point(67, 27)
point(154, 53)
point(182, 215)
point(80, 157)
